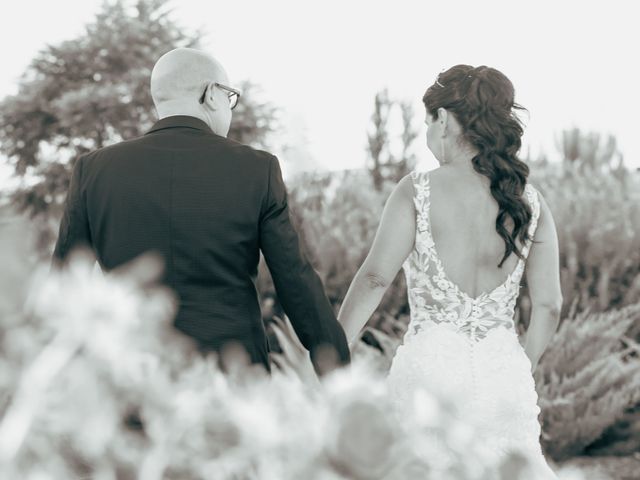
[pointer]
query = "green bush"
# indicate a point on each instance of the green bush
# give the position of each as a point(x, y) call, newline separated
point(597, 214)
point(587, 379)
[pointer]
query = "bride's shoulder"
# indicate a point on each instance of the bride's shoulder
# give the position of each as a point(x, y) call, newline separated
point(405, 188)
point(416, 177)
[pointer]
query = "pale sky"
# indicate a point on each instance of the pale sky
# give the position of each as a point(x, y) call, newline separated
point(572, 62)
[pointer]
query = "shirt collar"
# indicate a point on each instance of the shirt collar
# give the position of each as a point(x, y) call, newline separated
point(177, 121)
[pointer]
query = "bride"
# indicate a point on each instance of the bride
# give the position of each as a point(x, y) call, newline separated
point(464, 233)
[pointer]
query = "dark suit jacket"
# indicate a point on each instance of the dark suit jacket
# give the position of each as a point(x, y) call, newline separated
point(208, 205)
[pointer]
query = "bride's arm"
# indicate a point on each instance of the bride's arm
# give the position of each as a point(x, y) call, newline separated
point(543, 280)
point(393, 243)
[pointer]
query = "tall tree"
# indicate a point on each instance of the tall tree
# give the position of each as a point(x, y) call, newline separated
point(378, 137)
point(253, 119)
point(590, 150)
point(407, 159)
point(92, 91)
point(384, 164)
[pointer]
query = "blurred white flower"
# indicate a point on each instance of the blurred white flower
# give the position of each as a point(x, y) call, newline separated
point(103, 376)
point(363, 441)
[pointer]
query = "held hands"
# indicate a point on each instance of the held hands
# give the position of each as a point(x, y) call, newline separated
point(294, 360)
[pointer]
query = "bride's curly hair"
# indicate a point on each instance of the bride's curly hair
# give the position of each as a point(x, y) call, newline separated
point(482, 100)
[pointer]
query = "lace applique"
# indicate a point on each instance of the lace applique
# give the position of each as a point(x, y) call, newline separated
point(434, 298)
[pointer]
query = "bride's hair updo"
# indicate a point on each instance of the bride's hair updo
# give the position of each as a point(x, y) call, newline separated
point(482, 100)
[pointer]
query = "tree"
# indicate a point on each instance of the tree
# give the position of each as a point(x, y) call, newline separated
point(385, 165)
point(588, 150)
point(92, 91)
point(253, 120)
point(378, 139)
point(409, 134)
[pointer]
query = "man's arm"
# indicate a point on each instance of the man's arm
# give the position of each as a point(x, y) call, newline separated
point(299, 287)
point(74, 226)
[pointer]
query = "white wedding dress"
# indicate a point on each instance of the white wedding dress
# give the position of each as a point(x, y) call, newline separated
point(465, 348)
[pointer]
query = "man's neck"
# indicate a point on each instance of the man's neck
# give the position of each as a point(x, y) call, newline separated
point(186, 113)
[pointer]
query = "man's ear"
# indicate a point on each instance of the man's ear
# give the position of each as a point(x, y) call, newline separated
point(210, 98)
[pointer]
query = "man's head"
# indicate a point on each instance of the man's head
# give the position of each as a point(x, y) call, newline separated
point(186, 81)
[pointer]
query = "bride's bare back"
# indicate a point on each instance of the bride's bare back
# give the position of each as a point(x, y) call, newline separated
point(463, 223)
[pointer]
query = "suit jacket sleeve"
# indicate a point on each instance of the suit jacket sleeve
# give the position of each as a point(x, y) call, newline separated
point(74, 226)
point(298, 286)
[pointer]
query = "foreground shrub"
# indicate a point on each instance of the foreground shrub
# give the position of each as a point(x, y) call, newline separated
point(98, 385)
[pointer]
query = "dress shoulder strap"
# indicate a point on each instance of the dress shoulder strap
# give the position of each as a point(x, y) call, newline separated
point(533, 197)
point(421, 199)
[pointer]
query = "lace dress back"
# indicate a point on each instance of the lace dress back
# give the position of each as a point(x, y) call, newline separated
point(433, 297)
point(467, 349)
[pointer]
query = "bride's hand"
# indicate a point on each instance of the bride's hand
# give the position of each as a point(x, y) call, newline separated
point(294, 359)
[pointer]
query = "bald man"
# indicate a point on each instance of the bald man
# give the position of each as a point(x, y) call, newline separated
point(208, 206)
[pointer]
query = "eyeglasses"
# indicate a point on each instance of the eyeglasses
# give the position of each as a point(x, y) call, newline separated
point(232, 94)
